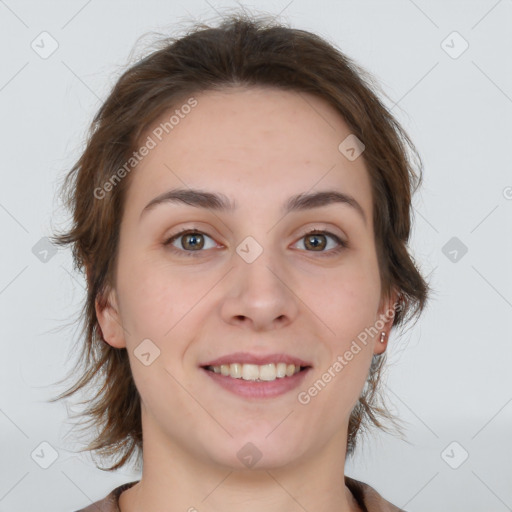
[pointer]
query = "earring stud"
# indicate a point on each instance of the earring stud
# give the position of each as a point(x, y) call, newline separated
point(382, 336)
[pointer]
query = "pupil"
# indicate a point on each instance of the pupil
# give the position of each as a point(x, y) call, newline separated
point(194, 243)
point(316, 243)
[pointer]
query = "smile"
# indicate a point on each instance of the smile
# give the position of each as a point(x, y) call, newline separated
point(248, 382)
point(254, 372)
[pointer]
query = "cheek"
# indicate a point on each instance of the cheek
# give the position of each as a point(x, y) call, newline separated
point(350, 311)
point(148, 302)
point(156, 295)
point(349, 300)
point(157, 298)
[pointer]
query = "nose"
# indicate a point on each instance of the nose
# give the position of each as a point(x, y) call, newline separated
point(259, 295)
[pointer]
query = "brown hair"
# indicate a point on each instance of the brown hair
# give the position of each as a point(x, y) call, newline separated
point(241, 51)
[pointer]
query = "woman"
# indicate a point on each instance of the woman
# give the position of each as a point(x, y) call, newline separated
point(242, 213)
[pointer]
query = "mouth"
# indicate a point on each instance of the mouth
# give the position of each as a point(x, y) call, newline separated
point(256, 376)
point(256, 373)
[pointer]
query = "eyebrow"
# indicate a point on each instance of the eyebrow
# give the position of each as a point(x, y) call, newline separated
point(221, 203)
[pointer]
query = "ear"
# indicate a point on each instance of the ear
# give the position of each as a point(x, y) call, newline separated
point(386, 316)
point(109, 319)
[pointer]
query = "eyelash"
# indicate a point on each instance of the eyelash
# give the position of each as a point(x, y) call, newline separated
point(323, 254)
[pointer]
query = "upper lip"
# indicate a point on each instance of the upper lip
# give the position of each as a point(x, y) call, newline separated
point(259, 359)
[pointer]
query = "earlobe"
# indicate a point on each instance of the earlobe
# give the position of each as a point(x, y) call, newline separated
point(109, 320)
point(385, 322)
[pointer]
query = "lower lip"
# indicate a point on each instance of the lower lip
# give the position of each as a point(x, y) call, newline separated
point(253, 389)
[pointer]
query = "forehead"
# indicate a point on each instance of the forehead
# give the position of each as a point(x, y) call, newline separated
point(250, 142)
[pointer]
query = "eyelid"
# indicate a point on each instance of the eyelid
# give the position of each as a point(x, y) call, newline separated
point(340, 240)
point(176, 236)
point(322, 229)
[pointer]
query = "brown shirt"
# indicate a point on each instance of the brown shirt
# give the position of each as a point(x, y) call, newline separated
point(368, 499)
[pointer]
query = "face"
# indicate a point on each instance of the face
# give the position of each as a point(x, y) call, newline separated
point(248, 280)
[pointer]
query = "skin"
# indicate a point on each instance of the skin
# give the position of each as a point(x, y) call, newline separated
point(257, 146)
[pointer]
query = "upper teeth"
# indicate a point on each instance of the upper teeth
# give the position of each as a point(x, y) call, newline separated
point(256, 372)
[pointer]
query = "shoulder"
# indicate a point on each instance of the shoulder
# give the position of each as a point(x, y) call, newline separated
point(368, 498)
point(110, 502)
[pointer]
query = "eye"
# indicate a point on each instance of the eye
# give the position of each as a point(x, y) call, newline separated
point(192, 241)
point(315, 239)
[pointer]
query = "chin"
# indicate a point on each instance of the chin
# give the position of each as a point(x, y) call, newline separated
point(259, 452)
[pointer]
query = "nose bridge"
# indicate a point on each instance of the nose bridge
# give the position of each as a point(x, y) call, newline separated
point(258, 290)
point(259, 268)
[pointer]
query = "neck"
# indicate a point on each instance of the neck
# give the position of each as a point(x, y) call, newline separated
point(174, 480)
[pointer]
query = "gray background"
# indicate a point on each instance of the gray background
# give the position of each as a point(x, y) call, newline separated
point(449, 377)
